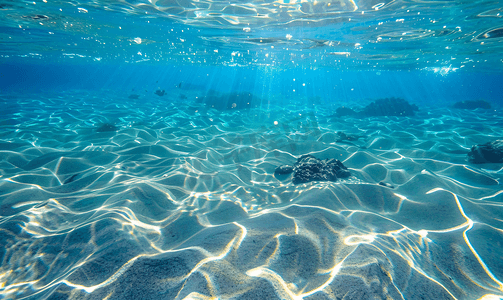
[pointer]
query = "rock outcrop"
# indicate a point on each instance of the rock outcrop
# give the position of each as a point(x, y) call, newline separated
point(309, 168)
point(491, 152)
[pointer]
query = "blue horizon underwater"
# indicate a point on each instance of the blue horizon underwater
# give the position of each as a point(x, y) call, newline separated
point(206, 149)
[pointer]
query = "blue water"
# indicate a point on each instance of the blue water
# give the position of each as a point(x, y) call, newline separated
point(139, 142)
point(332, 85)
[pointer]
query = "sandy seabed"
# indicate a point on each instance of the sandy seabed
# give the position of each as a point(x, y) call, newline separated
point(180, 202)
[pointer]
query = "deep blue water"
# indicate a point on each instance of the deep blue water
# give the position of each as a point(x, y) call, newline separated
point(331, 85)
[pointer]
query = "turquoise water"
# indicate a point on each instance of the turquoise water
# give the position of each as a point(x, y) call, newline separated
point(429, 35)
point(139, 143)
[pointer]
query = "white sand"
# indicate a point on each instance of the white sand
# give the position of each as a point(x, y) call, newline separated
point(179, 204)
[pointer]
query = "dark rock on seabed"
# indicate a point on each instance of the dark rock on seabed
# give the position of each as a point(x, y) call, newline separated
point(389, 107)
point(160, 93)
point(309, 168)
point(491, 152)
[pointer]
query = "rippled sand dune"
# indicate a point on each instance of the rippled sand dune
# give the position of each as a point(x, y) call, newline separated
point(176, 201)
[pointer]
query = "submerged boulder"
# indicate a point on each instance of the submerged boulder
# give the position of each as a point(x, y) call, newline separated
point(472, 104)
point(309, 168)
point(160, 93)
point(397, 107)
point(491, 152)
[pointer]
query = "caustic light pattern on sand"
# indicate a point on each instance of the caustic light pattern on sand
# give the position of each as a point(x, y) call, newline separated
point(183, 204)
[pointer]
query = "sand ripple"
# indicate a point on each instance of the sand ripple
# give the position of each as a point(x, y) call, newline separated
point(181, 203)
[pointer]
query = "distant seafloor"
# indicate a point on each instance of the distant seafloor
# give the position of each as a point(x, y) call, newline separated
point(151, 199)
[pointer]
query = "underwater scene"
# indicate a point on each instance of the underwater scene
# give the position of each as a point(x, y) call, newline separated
point(261, 149)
